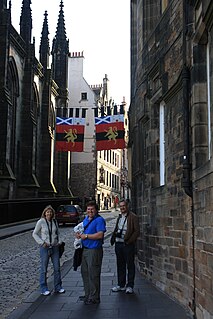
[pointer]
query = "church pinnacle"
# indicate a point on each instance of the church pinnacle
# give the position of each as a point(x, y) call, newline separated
point(60, 50)
point(44, 44)
point(26, 21)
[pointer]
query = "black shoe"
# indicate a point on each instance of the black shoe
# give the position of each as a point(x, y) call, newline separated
point(82, 298)
point(91, 302)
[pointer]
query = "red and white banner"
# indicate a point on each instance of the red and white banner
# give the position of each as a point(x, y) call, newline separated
point(110, 132)
point(70, 134)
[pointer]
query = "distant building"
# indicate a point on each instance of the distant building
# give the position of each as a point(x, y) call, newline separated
point(82, 102)
point(94, 174)
point(170, 142)
point(109, 162)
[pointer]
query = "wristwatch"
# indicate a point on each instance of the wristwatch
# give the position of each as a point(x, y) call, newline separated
point(86, 236)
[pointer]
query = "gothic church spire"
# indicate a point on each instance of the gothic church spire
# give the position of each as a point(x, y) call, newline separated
point(60, 37)
point(60, 50)
point(26, 21)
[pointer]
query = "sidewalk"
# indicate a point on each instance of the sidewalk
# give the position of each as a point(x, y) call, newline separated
point(16, 228)
point(146, 303)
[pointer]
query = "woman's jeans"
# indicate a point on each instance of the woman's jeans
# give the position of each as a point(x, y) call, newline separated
point(44, 259)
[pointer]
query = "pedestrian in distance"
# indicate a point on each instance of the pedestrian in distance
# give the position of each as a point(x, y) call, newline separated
point(46, 234)
point(124, 237)
point(92, 242)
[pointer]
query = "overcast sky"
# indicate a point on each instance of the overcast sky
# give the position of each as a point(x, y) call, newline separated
point(99, 28)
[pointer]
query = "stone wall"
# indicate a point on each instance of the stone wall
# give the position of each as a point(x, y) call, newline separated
point(175, 245)
point(83, 180)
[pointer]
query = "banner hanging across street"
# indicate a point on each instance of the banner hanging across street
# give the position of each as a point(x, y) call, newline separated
point(110, 132)
point(70, 134)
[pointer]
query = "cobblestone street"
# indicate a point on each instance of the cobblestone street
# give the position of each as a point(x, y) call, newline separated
point(19, 265)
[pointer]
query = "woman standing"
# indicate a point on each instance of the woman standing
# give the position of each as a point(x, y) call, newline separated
point(46, 235)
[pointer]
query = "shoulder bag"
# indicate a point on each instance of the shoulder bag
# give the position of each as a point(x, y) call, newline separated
point(113, 236)
point(61, 245)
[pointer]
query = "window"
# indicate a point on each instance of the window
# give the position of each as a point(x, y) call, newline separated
point(77, 112)
point(84, 96)
point(208, 97)
point(162, 144)
point(13, 88)
point(164, 4)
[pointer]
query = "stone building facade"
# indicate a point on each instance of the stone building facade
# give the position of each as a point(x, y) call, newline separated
point(171, 116)
point(32, 94)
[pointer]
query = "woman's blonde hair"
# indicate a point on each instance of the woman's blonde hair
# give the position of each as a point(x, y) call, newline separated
point(49, 207)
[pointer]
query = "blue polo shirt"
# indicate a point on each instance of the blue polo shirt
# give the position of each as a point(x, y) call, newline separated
point(97, 224)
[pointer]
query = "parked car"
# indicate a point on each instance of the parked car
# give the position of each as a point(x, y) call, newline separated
point(71, 214)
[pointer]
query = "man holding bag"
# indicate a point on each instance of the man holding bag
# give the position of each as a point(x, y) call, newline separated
point(92, 242)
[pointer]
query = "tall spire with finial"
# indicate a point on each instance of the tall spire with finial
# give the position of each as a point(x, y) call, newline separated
point(60, 50)
point(44, 45)
point(26, 21)
point(60, 37)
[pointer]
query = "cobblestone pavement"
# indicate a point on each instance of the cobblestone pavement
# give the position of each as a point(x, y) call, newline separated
point(19, 266)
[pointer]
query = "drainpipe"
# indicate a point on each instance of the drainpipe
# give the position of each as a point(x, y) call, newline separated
point(186, 179)
point(187, 169)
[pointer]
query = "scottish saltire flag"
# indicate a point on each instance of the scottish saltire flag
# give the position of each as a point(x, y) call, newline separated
point(109, 132)
point(70, 134)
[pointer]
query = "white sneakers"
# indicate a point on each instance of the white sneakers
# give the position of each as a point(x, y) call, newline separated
point(61, 291)
point(118, 288)
point(46, 293)
point(128, 290)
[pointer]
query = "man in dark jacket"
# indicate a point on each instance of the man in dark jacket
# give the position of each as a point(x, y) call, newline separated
point(126, 232)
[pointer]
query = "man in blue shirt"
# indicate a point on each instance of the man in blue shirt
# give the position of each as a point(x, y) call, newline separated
point(92, 241)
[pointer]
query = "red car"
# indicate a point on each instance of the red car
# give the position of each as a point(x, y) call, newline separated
point(71, 214)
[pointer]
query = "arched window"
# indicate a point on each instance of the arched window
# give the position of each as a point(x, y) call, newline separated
point(34, 115)
point(13, 90)
point(51, 119)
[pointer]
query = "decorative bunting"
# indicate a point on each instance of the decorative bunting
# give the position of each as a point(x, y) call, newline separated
point(70, 134)
point(109, 132)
